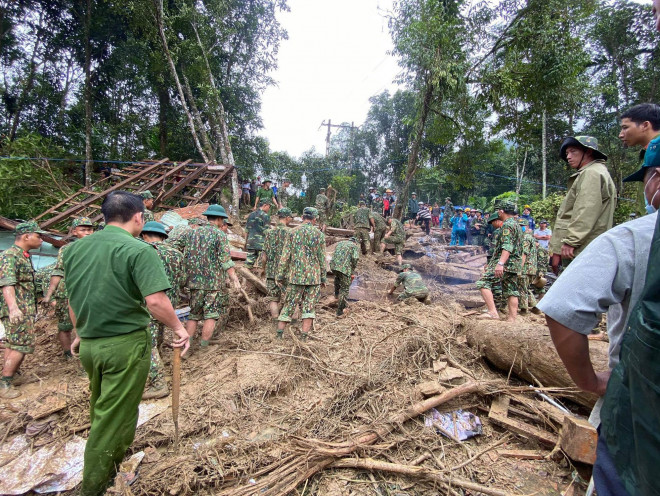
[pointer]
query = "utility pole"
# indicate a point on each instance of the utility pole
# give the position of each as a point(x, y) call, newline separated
point(329, 124)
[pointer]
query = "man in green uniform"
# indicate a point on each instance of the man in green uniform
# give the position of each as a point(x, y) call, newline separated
point(343, 264)
point(363, 224)
point(154, 234)
point(265, 193)
point(395, 236)
point(283, 193)
point(114, 282)
point(257, 224)
point(18, 308)
point(80, 228)
point(322, 204)
point(507, 260)
point(530, 254)
point(413, 285)
point(449, 213)
point(207, 263)
point(273, 246)
point(380, 228)
point(148, 200)
point(588, 208)
point(302, 266)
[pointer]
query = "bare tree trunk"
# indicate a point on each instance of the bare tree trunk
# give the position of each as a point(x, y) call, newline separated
point(161, 31)
point(198, 119)
point(88, 96)
point(520, 173)
point(544, 153)
point(163, 107)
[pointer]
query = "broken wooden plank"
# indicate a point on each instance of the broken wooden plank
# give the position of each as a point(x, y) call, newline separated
point(578, 440)
point(498, 414)
point(54, 401)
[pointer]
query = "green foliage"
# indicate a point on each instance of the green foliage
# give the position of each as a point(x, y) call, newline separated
point(547, 209)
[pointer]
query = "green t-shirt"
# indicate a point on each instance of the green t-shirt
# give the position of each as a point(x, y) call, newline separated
point(265, 194)
point(108, 275)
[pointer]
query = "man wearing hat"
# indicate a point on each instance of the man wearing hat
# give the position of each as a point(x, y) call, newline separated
point(380, 228)
point(588, 208)
point(529, 268)
point(255, 229)
point(395, 236)
point(490, 281)
point(80, 228)
point(273, 246)
point(448, 213)
point(19, 302)
point(413, 285)
point(154, 234)
point(413, 208)
point(506, 264)
point(265, 193)
point(343, 264)
point(207, 263)
point(458, 227)
point(322, 204)
point(302, 266)
point(363, 223)
point(543, 234)
point(372, 196)
point(527, 215)
point(148, 200)
point(178, 230)
point(283, 194)
point(424, 217)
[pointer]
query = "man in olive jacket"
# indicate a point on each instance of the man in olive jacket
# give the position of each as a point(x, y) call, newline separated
point(588, 208)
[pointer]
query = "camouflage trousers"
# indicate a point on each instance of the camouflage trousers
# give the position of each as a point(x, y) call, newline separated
point(206, 305)
point(64, 323)
point(156, 330)
point(526, 299)
point(378, 239)
point(305, 296)
point(252, 257)
point(342, 287)
point(20, 336)
point(322, 218)
point(508, 283)
point(362, 235)
point(397, 242)
point(420, 295)
point(274, 291)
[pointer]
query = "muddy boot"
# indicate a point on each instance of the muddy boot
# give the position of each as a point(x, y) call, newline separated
point(157, 390)
point(535, 311)
point(7, 389)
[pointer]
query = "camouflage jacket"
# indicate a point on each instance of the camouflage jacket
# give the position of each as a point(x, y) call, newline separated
point(283, 196)
point(398, 232)
point(322, 203)
point(174, 268)
point(345, 258)
point(257, 224)
point(530, 252)
point(303, 257)
point(379, 222)
point(362, 218)
point(511, 240)
point(273, 246)
point(58, 270)
point(492, 243)
point(206, 257)
point(449, 208)
point(16, 270)
point(412, 282)
point(148, 215)
point(176, 233)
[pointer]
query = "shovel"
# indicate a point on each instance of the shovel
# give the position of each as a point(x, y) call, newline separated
point(176, 389)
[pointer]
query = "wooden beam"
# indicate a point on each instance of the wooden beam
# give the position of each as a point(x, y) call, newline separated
point(211, 187)
point(60, 204)
point(182, 184)
point(162, 179)
point(498, 414)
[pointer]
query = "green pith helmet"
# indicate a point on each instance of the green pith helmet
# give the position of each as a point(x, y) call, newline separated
point(588, 142)
point(284, 212)
point(523, 222)
point(28, 227)
point(311, 212)
point(263, 203)
point(405, 267)
point(216, 211)
point(493, 217)
point(82, 221)
point(154, 227)
point(361, 203)
point(353, 239)
point(146, 195)
point(507, 206)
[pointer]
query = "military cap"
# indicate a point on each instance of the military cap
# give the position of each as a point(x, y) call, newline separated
point(28, 227)
point(405, 267)
point(154, 227)
point(82, 221)
point(523, 222)
point(285, 212)
point(543, 221)
point(361, 202)
point(353, 239)
point(216, 211)
point(413, 193)
point(321, 190)
point(588, 142)
point(448, 198)
point(493, 217)
point(651, 159)
point(311, 212)
point(266, 181)
point(507, 206)
point(146, 194)
point(459, 209)
point(371, 188)
point(264, 202)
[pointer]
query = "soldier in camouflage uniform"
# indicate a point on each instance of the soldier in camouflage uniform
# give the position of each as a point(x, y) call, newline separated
point(448, 214)
point(207, 263)
point(257, 224)
point(273, 246)
point(494, 284)
point(282, 194)
point(507, 257)
point(18, 307)
point(177, 231)
point(363, 224)
point(530, 254)
point(154, 234)
point(80, 228)
point(395, 236)
point(413, 285)
point(380, 228)
point(148, 200)
point(343, 264)
point(322, 205)
point(302, 266)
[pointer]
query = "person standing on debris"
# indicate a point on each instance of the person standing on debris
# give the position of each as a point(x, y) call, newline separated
point(257, 224)
point(469, 214)
point(413, 208)
point(114, 282)
point(363, 223)
point(435, 215)
point(448, 213)
point(424, 216)
point(380, 228)
point(372, 196)
point(395, 236)
point(283, 194)
point(18, 310)
point(148, 201)
point(543, 234)
point(322, 207)
point(80, 228)
point(413, 285)
point(273, 246)
point(207, 264)
point(459, 228)
point(266, 194)
point(507, 258)
point(529, 269)
point(302, 266)
point(343, 264)
point(154, 234)
point(588, 208)
point(478, 228)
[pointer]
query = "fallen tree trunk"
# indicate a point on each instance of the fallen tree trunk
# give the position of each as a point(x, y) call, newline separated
point(256, 282)
point(526, 350)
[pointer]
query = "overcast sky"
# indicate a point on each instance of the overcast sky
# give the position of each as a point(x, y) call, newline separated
point(334, 60)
